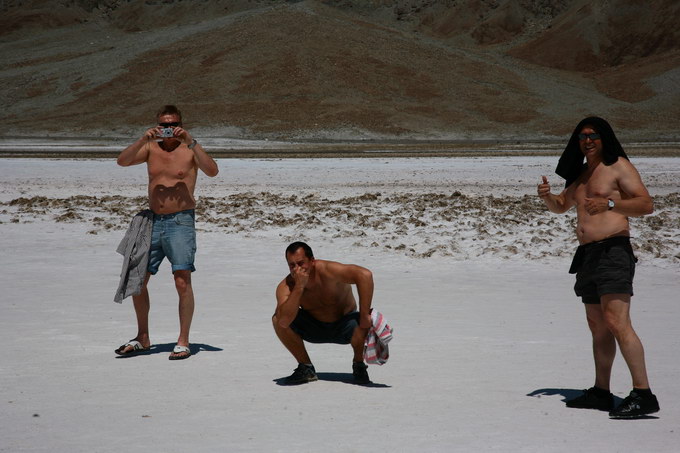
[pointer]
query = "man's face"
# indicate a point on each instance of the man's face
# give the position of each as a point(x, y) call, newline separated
point(171, 121)
point(590, 144)
point(299, 261)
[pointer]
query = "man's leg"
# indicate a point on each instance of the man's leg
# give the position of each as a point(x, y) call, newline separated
point(604, 350)
point(604, 345)
point(357, 342)
point(641, 401)
point(305, 371)
point(616, 313)
point(292, 341)
point(186, 306)
point(142, 304)
point(359, 368)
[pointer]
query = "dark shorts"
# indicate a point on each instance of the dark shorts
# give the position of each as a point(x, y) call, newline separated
point(174, 236)
point(604, 267)
point(315, 331)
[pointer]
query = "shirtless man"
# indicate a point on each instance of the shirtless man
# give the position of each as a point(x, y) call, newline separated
point(172, 163)
point(606, 191)
point(315, 303)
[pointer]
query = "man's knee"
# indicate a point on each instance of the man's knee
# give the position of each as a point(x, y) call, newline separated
point(358, 336)
point(616, 314)
point(278, 326)
point(600, 329)
point(617, 326)
point(182, 281)
point(597, 326)
point(145, 284)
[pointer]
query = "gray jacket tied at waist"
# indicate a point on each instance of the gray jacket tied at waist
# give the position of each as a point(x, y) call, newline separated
point(135, 250)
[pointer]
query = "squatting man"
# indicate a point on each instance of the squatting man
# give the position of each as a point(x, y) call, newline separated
point(315, 303)
point(173, 158)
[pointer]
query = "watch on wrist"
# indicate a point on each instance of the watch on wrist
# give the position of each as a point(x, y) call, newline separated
point(610, 205)
point(194, 142)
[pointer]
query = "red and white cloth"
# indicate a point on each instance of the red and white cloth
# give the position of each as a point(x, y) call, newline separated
point(376, 351)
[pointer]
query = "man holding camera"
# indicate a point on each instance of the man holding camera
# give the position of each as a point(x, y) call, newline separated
point(173, 158)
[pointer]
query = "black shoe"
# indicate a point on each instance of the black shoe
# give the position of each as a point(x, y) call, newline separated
point(360, 373)
point(636, 405)
point(302, 374)
point(593, 398)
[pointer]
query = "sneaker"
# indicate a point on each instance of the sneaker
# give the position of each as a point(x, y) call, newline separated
point(360, 373)
point(302, 374)
point(593, 398)
point(636, 405)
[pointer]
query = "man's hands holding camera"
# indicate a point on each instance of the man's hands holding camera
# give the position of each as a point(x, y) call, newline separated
point(169, 132)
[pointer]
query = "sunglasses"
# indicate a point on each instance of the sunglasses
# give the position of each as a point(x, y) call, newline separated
point(590, 136)
point(169, 124)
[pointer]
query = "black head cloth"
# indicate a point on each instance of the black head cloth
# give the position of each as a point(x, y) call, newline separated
point(571, 163)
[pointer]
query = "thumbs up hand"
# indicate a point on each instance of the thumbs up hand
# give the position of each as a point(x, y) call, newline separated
point(544, 188)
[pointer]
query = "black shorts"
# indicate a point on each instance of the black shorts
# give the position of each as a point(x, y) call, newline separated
point(604, 267)
point(315, 331)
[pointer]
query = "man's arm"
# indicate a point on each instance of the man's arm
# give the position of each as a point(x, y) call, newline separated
point(206, 163)
point(363, 279)
point(138, 152)
point(287, 300)
point(555, 203)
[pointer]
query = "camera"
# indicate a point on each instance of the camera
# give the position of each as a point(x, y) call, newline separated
point(166, 132)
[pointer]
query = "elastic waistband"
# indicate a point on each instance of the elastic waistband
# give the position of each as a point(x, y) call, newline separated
point(616, 240)
point(172, 215)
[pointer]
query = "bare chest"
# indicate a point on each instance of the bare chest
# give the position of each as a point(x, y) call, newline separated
point(601, 183)
point(328, 295)
point(176, 165)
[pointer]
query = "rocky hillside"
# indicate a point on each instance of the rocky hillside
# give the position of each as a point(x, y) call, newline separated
point(343, 69)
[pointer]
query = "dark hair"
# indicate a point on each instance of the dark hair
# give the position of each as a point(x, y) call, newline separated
point(169, 110)
point(292, 248)
point(571, 163)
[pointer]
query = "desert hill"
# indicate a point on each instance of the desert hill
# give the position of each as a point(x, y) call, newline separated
point(428, 69)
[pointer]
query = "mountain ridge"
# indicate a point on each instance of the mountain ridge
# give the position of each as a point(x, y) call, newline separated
point(341, 69)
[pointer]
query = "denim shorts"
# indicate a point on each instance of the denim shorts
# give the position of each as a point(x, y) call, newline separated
point(174, 236)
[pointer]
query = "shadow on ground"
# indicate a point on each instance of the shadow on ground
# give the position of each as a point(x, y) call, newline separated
point(346, 378)
point(568, 394)
point(195, 349)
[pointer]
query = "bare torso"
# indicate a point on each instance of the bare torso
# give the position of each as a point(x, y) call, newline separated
point(172, 179)
point(325, 298)
point(600, 182)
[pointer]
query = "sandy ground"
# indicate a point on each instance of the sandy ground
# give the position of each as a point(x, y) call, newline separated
point(489, 339)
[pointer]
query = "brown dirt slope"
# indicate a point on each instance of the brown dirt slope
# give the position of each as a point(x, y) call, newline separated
point(340, 69)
